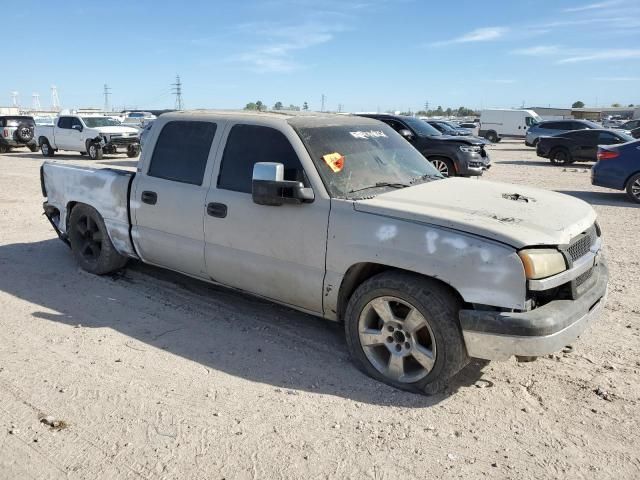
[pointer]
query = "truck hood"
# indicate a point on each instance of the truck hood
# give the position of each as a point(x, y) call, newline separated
point(516, 215)
point(116, 129)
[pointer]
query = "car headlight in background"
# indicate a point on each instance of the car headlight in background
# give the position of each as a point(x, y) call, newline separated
point(542, 262)
point(469, 148)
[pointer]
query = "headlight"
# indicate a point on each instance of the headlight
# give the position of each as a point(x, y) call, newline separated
point(469, 149)
point(542, 262)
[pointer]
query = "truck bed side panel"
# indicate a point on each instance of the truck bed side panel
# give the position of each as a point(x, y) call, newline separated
point(104, 189)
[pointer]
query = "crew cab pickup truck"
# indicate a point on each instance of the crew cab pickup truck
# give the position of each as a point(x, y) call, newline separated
point(340, 217)
point(88, 134)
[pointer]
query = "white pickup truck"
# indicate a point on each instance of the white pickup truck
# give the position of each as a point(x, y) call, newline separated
point(91, 135)
point(340, 217)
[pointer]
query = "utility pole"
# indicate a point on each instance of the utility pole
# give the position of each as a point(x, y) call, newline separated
point(426, 106)
point(322, 102)
point(177, 90)
point(35, 102)
point(339, 108)
point(107, 92)
point(55, 101)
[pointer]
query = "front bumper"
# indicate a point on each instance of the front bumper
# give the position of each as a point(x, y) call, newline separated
point(547, 329)
point(474, 164)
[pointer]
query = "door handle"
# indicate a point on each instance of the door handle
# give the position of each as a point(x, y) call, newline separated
point(218, 210)
point(149, 197)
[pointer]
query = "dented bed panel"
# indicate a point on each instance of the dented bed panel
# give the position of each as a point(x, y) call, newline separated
point(104, 189)
point(483, 271)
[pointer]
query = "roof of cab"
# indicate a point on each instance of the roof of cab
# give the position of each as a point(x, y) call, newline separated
point(301, 119)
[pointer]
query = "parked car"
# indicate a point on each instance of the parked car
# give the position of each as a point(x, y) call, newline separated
point(451, 155)
point(340, 217)
point(138, 119)
point(471, 126)
point(630, 125)
point(555, 127)
point(17, 131)
point(498, 123)
point(618, 167)
point(635, 133)
point(448, 128)
point(88, 134)
point(578, 145)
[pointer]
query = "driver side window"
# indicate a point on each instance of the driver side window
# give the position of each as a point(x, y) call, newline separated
point(75, 122)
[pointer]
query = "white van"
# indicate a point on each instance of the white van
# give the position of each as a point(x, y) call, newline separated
point(497, 123)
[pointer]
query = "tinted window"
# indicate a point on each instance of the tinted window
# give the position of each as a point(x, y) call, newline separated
point(64, 122)
point(608, 138)
point(249, 144)
point(75, 121)
point(581, 135)
point(181, 151)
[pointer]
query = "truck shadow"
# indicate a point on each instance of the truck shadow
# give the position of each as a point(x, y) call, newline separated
point(220, 329)
point(609, 199)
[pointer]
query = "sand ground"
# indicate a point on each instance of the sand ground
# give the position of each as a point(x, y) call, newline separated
point(159, 376)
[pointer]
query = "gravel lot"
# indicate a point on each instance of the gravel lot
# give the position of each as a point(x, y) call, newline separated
point(154, 375)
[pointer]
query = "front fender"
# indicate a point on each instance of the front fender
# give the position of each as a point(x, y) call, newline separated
point(482, 271)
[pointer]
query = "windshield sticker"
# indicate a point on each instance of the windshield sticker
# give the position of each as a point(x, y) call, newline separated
point(369, 134)
point(335, 161)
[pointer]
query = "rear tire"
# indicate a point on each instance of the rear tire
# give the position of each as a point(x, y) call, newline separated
point(133, 151)
point(3, 148)
point(560, 156)
point(415, 343)
point(491, 136)
point(47, 151)
point(90, 242)
point(633, 188)
point(33, 148)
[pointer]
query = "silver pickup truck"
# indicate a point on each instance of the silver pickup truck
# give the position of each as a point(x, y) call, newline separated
point(340, 217)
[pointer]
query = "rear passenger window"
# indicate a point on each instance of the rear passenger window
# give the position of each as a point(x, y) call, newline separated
point(249, 144)
point(181, 151)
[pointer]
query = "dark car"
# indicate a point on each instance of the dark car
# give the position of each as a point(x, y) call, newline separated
point(555, 127)
point(451, 155)
point(447, 128)
point(17, 131)
point(579, 145)
point(635, 133)
point(630, 125)
point(618, 167)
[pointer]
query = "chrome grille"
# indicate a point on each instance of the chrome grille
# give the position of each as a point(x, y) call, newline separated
point(580, 246)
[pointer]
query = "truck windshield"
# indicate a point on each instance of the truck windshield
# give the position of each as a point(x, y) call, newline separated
point(93, 122)
point(364, 160)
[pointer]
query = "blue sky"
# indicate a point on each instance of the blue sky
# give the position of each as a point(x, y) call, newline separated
point(365, 55)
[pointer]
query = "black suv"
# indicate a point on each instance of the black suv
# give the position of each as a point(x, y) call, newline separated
point(17, 131)
point(452, 156)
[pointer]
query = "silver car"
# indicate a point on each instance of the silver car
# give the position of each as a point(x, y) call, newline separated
point(555, 127)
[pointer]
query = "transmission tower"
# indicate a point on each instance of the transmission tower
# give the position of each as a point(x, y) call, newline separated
point(15, 99)
point(107, 92)
point(323, 98)
point(55, 100)
point(177, 90)
point(35, 102)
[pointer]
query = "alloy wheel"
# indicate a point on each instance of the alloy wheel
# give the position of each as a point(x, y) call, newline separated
point(90, 238)
point(397, 339)
point(441, 166)
point(635, 188)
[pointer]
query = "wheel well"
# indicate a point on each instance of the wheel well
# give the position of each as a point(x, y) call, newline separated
point(444, 157)
point(359, 273)
point(70, 207)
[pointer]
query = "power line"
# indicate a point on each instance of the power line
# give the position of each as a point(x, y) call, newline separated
point(177, 90)
point(107, 92)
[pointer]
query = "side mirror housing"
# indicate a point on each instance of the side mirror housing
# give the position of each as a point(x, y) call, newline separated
point(406, 134)
point(77, 127)
point(268, 186)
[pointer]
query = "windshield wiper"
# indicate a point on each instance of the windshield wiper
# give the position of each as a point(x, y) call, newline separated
point(426, 176)
point(382, 184)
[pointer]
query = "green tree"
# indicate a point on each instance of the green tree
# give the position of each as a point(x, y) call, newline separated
point(260, 106)
point(439, 111)
point(278, 106)
point(305, 106)
point(251, 106)
point(294, 108)
point(577, 104)
point(448, 111)
point(631, 105)
point(616, 105)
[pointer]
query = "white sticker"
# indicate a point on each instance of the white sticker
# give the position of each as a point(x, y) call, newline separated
point(369, 134)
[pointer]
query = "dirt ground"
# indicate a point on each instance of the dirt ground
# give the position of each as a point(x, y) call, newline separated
point(150, 374)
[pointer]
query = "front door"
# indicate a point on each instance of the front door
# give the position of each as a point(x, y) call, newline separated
point(168, 202)
point(63, 133)
point(277, 252)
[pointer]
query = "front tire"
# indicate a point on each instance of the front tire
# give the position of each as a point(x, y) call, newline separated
point(560, 156)
point(491, 136)
point(94, 151)
point(402, 329)
point(33, 147)
point(133, 151)
point(90, 242)
point(444, 166)
point(633, 188)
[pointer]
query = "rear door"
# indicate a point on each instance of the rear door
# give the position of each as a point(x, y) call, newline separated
point(62, 133)
point(276, 252)
point(168, 199)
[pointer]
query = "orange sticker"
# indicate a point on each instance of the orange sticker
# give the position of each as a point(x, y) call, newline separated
point(335, 161)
